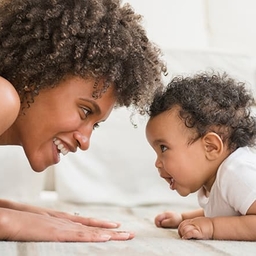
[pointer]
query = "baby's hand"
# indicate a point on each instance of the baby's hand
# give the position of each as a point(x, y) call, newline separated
point(197, 228)
point(168, 220)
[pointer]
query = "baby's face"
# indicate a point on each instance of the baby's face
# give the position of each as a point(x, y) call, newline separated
point(182, 164)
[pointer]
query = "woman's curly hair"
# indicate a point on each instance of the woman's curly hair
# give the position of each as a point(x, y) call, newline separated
point(43, 41)
point(211, 102)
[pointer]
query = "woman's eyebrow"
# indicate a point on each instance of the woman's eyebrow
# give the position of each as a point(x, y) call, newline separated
point(95, 105)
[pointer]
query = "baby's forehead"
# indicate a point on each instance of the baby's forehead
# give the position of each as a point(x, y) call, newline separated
point(175, 113)
point(168, 118)
point(169, 127)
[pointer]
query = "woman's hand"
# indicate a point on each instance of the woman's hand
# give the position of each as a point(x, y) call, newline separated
point(57, 214)
point(92, 222)
point(168, 220)
point(26, 226)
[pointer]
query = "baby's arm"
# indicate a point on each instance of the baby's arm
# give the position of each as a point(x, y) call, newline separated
point(173, 219)
point(241, 228)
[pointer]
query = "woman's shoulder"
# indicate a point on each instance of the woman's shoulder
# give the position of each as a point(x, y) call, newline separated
point(9, 104)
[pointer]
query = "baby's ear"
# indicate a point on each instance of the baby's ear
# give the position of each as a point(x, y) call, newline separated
point(213, 146)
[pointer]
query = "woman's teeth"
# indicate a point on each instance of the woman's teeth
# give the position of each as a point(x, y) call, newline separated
point(60, 146)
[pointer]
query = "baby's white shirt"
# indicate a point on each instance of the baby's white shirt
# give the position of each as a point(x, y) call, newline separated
point(234, 189)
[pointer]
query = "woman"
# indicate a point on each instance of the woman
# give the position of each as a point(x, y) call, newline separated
point(64, 66)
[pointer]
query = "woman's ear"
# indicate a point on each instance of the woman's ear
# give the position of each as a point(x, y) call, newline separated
point(213, 145)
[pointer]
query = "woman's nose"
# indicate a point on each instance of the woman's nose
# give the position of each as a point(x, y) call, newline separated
point(83, 140)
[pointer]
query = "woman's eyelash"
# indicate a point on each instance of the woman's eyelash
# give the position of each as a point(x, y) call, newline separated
point(86, 111)
point(96, 126)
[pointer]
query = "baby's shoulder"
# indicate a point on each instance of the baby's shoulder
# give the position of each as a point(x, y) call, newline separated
point(240, 163)
point(241, 157)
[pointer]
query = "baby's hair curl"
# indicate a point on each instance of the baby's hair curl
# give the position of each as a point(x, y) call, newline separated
point(208, 102)
point(44, 41)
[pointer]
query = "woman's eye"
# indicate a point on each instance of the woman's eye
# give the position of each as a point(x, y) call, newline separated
point(163, 148)
point(96, 126)
point(86, 112)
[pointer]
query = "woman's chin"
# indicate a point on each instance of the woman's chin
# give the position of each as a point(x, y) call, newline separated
point(41, 161)
point(39, 166)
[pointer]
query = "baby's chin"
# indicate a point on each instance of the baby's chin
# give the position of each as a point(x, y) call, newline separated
point(183, 193)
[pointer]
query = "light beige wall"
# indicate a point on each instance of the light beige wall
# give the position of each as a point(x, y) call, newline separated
point(223, 24)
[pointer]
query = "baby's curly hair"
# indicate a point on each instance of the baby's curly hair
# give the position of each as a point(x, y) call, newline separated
point(44, 41)
point(211, 102)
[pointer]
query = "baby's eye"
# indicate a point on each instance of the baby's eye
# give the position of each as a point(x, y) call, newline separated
point(163, 148)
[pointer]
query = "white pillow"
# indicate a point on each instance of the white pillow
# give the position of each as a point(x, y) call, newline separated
point(17, 180)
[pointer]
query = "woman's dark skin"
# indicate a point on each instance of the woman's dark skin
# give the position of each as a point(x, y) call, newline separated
point(64, 66)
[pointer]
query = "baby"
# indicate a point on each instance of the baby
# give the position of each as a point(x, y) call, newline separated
point(202, 132)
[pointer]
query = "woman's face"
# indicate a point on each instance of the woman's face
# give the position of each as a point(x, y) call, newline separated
point(60, 120)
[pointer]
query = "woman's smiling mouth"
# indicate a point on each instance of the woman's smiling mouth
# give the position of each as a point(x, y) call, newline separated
point(61, 148)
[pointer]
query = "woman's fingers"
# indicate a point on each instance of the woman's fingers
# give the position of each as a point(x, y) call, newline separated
point(92, 234)
point(76, 217)
point(92, 222)
point(25, 226)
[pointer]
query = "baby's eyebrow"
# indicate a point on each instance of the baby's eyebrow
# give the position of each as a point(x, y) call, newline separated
point(158, 141)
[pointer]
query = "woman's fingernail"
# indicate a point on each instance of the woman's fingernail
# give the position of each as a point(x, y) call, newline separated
point(105, 237)
point(114, 225)
point(124, 235)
